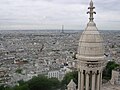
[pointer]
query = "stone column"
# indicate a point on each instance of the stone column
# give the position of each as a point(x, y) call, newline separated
point(93, 81)
point(98, 81)
point(87, 81)
point(79, 80)
point(82, 81)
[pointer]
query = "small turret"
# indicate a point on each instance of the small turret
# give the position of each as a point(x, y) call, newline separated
point(71, 85)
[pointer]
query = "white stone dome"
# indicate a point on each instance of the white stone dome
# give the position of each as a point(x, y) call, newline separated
point(91, 43)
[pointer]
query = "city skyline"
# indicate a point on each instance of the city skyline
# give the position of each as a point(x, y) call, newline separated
point(52, 14)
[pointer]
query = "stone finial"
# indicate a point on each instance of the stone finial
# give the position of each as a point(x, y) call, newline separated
point(71, 85)
point(91, 12)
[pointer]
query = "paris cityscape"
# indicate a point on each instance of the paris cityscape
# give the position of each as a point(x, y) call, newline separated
point(25, 54)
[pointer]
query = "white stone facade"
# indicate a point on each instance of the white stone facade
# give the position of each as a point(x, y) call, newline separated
point(115, 80)
point(55, 74)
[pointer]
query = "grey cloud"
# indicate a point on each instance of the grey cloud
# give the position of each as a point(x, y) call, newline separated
point(56, 11)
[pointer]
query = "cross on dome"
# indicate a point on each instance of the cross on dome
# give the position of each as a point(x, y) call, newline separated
point(91, 12)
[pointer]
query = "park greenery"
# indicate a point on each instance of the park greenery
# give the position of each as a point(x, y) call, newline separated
point(107, 72)
point(36, 83)
point(43, 83)
point(19, 71)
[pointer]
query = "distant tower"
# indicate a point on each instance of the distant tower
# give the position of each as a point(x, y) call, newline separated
point(91, 59)
point(71, 85)
point(62, 28)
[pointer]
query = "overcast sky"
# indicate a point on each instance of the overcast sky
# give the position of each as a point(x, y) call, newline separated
point(51, 14)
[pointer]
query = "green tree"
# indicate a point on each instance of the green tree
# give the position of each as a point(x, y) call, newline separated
point(2, 87)
point(108, 70)
point(55, 83)
point(21, 87)
point(36, 83)
point(43, 83)
point(21, 82)
point(19, 71)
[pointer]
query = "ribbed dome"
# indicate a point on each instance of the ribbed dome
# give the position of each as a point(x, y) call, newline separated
point(91, 43)
point(91, 46)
